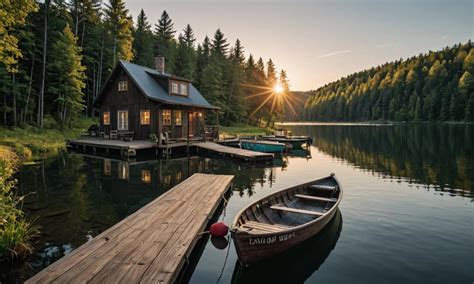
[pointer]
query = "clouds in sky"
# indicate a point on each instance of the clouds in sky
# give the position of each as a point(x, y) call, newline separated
point(335, 53)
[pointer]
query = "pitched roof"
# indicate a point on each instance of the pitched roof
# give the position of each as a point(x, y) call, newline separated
point(143, 77)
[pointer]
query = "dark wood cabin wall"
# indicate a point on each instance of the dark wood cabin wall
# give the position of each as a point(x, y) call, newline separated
point(131, 100)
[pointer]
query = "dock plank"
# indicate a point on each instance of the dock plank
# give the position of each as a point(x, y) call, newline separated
point(235, 152)
point(151, 244)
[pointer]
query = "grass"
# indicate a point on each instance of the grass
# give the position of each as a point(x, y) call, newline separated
point(17, 145)
point(16, 233)
point(31, 141)
point(243, 130)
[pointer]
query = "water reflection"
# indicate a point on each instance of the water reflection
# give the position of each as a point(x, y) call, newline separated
point(78, 196)
point(436, 155)
point(295, 265)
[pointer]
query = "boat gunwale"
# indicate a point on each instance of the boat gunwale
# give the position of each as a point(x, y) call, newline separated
point(234, 228)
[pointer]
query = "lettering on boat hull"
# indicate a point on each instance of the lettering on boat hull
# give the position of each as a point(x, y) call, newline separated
point(271, 239)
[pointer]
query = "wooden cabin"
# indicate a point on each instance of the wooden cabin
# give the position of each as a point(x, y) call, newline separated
point(138, 101)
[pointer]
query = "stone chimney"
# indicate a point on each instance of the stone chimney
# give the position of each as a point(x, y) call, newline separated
point(160, 63)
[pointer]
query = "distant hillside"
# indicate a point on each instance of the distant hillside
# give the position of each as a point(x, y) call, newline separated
point(298, 100)
point(437, 86)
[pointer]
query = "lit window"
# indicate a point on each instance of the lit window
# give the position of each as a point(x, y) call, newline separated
point(122, 120)
point(166, 117)
point(177, 118)
point(146, 176)
point(183, 89)
point(106, 118)
point(174, 88)
point(145, 117)
point(122, 86)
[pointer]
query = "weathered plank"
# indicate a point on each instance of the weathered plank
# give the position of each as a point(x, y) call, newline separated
point(148, 246)
point(234, 152)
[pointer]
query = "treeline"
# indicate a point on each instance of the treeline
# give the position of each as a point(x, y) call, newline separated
point(56, 54)
point(437, 86)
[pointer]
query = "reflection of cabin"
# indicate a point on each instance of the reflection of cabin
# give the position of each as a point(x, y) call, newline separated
point(138, 101)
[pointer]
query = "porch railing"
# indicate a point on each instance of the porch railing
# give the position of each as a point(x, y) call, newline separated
point(211, 132)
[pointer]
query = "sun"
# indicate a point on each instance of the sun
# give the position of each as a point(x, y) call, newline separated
point(278, 89)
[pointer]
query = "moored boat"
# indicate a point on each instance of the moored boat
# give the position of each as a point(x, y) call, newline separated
point(295, 141)
point(262, 146)
point(284, 219)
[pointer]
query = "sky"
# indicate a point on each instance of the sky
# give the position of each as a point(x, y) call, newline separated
point(317, 42)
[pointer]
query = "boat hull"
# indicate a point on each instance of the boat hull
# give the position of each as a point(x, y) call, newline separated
point(253, 248)
point(263, 147)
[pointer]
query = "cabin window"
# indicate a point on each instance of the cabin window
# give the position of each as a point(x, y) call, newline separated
point(122, 86)
point(145, 117)
point(174, 88)
point(146, 176)
point(183, 89)
point(122, 120)
point(177, 117)
point(106, 118)
point(166, 117)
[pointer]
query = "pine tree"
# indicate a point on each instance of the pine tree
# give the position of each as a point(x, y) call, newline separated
point(143, 42)
point(235, 96)
point(165, 42)
point(202, 60)
point(120, 26)
point(69, 77)
point(219, 45)
point(271, 74)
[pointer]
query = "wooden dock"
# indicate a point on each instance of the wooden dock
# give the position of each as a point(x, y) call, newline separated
point(238, 153)
point(126, 148)
point(149, 246)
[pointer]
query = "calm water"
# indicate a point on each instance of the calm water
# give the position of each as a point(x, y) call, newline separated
point(407, 214)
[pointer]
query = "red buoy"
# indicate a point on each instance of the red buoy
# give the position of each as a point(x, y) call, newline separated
point(219, 229)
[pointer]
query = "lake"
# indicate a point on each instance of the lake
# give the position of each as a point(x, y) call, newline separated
point(407, 214)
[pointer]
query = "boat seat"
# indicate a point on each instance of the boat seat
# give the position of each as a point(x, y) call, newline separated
point(267, 228)
point(309, 197)
point(295, 210)
point(323, 187)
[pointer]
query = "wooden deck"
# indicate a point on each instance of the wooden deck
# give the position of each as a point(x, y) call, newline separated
point(126, 148)
point(149, 246)
point(232, 152)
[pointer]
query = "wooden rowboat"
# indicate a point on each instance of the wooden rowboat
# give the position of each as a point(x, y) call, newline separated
point(284, 219)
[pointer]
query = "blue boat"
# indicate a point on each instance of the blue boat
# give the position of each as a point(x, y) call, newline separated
point(262, 146)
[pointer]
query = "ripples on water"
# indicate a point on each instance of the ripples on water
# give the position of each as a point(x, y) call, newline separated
point(406, 216)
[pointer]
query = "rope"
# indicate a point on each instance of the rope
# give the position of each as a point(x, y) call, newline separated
point(229, 240)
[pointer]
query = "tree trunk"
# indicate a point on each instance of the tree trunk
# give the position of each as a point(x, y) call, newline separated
point(4, 106)
point(29, 89)
point(43, 77)
point(14, 101)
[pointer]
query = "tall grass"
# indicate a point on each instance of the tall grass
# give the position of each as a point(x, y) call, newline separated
point(16, 233)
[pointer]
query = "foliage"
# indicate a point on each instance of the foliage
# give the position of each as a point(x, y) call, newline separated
point(16, 233)
point(243, 130)
point(69, 77)
point(437, 86)
point(13, 13)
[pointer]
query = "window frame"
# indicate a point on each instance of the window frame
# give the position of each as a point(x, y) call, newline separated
point(173, 91)
point(185, 87)
point(180, 86)
point(123, 86)
point(144, 121)
point(166, 121)
point(104, 122)
point(125, 125)
point(176, 111)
